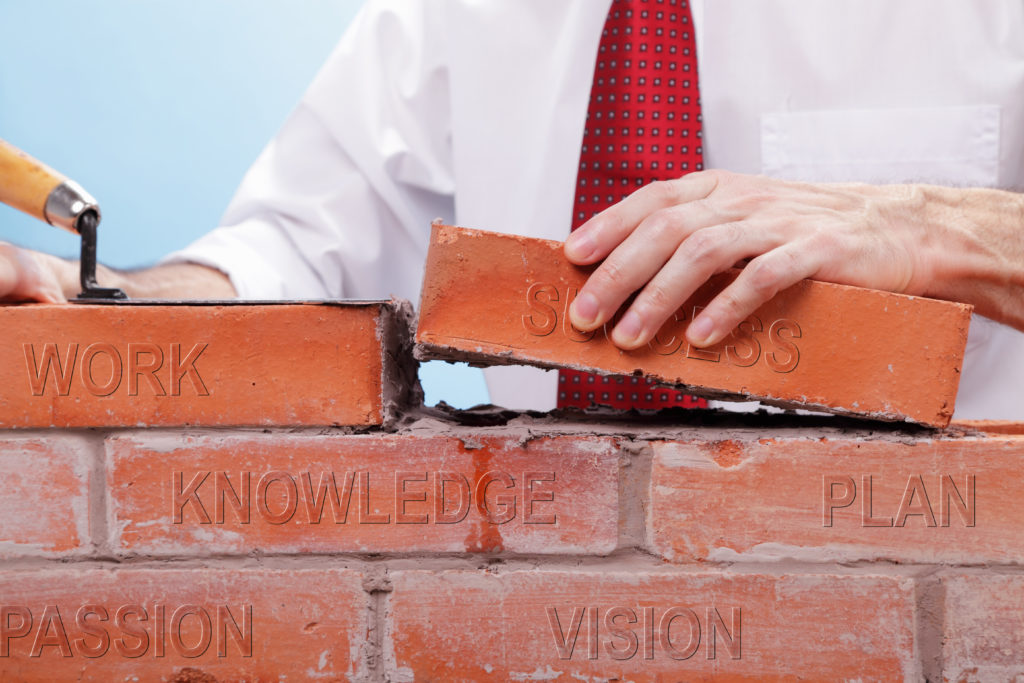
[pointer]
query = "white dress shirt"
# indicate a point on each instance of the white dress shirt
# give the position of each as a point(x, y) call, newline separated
point(473, 112)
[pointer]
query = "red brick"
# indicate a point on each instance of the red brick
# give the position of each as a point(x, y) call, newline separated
point(302, 625)
point(464, 625)
point(1008, 427)
point(574, 494)
point(983, 637)
point(165, 365)
point(44, 504)
point(743, 499)
point(502, 299)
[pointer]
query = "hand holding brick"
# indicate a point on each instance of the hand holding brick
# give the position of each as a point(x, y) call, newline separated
point(501, 299)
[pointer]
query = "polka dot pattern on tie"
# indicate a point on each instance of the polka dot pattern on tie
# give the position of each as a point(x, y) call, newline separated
point(643, 124)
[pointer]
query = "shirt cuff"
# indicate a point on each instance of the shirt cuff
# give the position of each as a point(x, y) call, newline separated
point(243, 252)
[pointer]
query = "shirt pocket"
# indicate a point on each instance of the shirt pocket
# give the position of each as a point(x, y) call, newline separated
point(939, 145)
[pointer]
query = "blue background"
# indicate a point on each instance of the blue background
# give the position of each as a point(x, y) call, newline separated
point(157, 108)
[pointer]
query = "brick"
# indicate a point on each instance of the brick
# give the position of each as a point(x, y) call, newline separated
point(983, 627)
point(169, 495)
point(44, 504)
point(1007, 427)
point(226, 364)
point(925, 498)
point(501, 299)
point(537, 625)
point(181, 625)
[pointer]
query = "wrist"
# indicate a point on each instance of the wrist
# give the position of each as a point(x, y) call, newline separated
point(977, 235)
point(940, 226)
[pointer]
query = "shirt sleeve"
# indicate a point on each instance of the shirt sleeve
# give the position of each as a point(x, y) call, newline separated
point(340, 202)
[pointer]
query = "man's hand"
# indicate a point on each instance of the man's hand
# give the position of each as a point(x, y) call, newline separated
point(27, 275)
point(668, 238)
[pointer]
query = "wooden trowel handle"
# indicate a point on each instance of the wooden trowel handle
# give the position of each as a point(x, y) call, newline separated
point(33, 187)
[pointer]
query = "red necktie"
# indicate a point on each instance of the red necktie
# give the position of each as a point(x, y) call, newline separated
point(643, 124)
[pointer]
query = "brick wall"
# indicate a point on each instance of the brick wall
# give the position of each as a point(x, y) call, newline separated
point(305, 519)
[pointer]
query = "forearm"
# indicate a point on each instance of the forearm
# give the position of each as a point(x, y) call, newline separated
point(173, 281)
point(976, 253)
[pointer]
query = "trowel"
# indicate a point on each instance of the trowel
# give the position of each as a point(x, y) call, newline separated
point(30, 186)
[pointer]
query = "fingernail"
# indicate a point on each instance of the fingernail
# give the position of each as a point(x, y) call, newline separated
point(700, 329)
point(627, 332)
point(579, 246)
point(584, 309)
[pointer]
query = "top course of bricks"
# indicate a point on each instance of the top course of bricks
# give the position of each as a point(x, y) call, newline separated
point(487, 298)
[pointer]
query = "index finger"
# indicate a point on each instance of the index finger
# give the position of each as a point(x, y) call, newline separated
point(596, 238)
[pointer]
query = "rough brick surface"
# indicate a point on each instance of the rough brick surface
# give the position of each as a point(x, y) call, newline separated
point(984, 627)
point(503, 299)
point(184, 625)
point(1008, 427)
point(955, 500)
point(206, 555)
point(540, 625)
point(290, 493)
point(163, 365)
point(44, 504)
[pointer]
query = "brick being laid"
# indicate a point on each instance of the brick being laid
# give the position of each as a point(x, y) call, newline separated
point(501, 299)
point(223, 364)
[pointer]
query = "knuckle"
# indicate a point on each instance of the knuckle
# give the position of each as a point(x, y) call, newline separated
point(704, 206)
point(730, 233)
point(713, 174)
point(717, 178)
point(666, 191)
point(764, 277)
point(702, 247)
point(657, 298)
point(659, 226)
point(611, 274)
point(731, 306)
